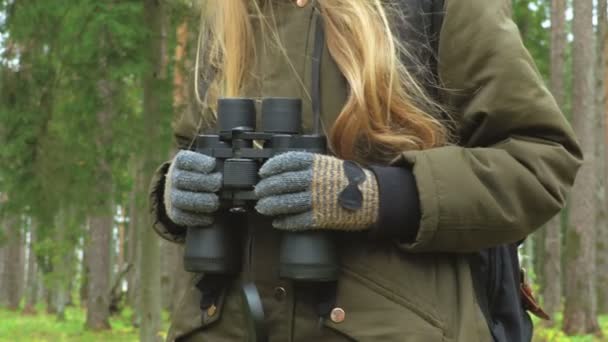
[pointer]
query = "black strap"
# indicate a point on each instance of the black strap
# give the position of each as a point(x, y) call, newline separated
point(211, 287)
point(315, 84)
point(479, 269)
point(324, 292)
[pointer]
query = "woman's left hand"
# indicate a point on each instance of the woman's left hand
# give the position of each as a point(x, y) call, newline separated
point(312, 191)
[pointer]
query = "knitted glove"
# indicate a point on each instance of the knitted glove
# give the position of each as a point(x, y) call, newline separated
point(189, 189)
point(313, 191)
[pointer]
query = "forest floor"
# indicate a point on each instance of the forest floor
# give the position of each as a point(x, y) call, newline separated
point(43, 327)
point(545, 334)
point(15, 327)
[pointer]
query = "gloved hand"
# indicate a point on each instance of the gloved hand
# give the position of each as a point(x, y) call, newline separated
point(190, 188)
point(313, 191)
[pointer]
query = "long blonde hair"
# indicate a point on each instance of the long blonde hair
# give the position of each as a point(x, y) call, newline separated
point(387, 110)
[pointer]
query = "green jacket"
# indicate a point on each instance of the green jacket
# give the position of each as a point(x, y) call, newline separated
point(510, 173)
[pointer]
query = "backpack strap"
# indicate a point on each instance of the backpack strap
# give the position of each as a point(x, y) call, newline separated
point(315, 84)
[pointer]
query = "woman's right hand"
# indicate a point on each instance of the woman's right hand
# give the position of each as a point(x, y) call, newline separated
point(190, 188)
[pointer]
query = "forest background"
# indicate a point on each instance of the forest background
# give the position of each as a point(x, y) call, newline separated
point(88, 92)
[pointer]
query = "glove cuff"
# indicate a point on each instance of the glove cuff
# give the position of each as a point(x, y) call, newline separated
point(162, 222)
point(167, 190)
point(329, 182)
point(399, 212)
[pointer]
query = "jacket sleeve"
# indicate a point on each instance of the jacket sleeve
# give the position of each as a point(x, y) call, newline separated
point(517, 155)
point(184, 131)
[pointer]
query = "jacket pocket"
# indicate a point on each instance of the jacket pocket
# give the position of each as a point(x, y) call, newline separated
point(188, 318)
point(374, 313)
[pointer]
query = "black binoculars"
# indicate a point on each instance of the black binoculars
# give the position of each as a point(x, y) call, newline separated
point(240, 150)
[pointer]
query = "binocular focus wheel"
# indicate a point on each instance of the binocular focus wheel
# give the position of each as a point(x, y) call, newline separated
point(240, 173)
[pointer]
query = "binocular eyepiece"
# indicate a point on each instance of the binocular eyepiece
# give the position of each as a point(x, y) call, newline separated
point(279, 115)
point(240, 149)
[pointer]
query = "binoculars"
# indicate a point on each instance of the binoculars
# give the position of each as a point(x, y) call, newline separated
point(240, 150)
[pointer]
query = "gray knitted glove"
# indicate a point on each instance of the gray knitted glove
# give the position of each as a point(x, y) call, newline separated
point(189, 189)
point(313, 191)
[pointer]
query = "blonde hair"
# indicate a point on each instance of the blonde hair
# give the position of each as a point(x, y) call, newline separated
point(386, 112)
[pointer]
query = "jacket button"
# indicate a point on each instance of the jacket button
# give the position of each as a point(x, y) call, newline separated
point(337, 315)
point(302, 3)
point(280, 293)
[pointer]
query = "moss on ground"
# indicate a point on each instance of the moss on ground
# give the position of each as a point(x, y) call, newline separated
point(42, 327)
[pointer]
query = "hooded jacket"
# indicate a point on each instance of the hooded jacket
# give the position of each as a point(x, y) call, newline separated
point(510, 172)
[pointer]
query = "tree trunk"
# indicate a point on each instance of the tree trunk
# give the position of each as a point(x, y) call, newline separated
point(3, 263)
point(602, 153)
point(101, 223)
point(98, 302)
point(60, 300)
point(552, 289)
point(31, 287)
point(51, 303)
point(156, 52)
point(21, 267)
point(120, 258)
point(83, 292)
point(166, 275)
point(150, 294)
point(40, 288)
point(580, 311)
point(62, 265)
point(539, 257)
point(69, 301)
point(119, 267)
point(180, 74)
point(183, 101)
point(133, 252)
point(13, 274)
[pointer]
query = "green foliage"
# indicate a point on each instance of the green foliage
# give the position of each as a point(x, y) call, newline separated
point(44, 327)
point(57, 57)
point(533, 19)
point(50, 100)
point(542, 333)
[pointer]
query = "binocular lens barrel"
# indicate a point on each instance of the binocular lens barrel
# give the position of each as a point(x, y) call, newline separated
point(282, 115)
point(236, 113)
point(308, 256)
point(214, 249)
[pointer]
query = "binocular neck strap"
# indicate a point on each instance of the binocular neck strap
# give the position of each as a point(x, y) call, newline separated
point(315, 84)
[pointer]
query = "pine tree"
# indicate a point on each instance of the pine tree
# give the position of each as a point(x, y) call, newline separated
point(580, 308)
point(552, 293)
point(602, 158)
point(155, 100)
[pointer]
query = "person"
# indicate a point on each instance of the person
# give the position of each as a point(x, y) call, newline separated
point(464, 153)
